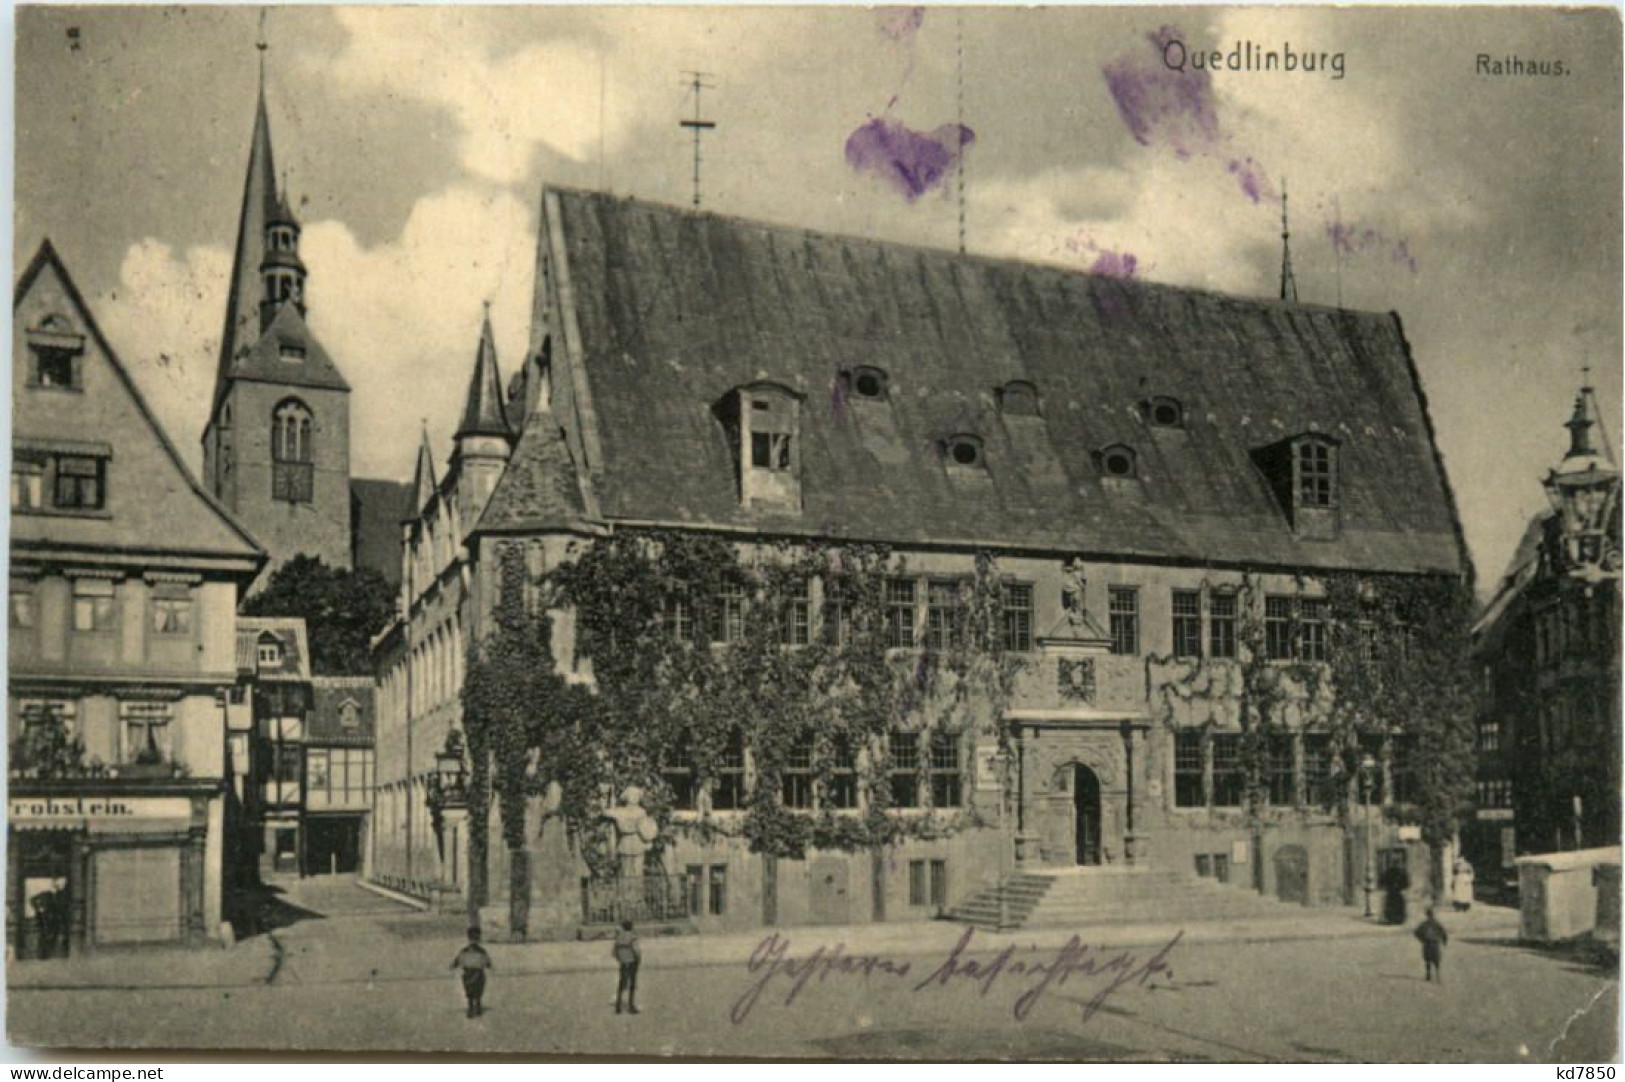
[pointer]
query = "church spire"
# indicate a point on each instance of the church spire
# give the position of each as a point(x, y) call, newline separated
point(424, 485)
point(483, 413)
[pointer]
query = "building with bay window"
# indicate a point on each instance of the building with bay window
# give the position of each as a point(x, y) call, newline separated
point(1177, 493)
point(124, 580)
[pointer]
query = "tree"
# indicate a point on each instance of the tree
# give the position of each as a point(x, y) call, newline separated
point(342, 610)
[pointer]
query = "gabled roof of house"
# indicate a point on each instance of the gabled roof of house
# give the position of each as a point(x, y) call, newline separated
point(663, 311)
point(171, 495)
point(289, 632)
point(539, 490)
point(324, 724)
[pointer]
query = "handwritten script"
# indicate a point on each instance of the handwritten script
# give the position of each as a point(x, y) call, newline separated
point(772, 966)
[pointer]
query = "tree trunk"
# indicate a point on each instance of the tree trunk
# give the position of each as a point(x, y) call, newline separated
point(519, 892)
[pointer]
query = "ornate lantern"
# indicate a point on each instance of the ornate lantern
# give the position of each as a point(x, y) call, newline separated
point(1584, 493)
point(449, 784)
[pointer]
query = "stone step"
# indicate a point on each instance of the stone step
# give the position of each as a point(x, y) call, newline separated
point(1114, 896)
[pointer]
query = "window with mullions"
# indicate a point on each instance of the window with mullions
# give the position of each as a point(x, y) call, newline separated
point(944, 615)
point(1371, 746)
point(1280, 770)
point(146, 731)
point(1018, 617)
point(903, 770)
point(292, 479)
point(841, 792)
point(1188, 764)
point(901, 610)
point(728, 789)
point(1317, 770)
point(1311, 629)
point(80, 483)
point(719, 890)
point(171, 610)
point(728, 618)
point(1314, 460)
point(694, 880)
point(1402, 768)
point(1123, 606)
point(22, 612)
point(796, 626)
point(95, 609)
point(1489, 736)
point(946, 770)
point(836, 619)
point(679, 618)
point(1221, 625)
point(1278, 628)
point(27, 481)
point(1187, 615)
point(677, 771)
point(916, 883)
point(796, 778)
point(1229, 779)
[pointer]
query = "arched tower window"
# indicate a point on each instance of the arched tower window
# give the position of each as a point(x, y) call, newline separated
point(292, 478)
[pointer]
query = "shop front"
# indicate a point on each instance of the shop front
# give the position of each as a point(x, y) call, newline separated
point(108, 862)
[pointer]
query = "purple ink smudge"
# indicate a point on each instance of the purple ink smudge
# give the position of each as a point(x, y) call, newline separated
point(1255, 184)
point(1174, 110)
point(837, 397)
point(1114, 265)
point(1350, 239)
point(912, 162)
point(899, 24)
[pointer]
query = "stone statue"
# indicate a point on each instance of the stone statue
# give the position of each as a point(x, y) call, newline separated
point(635, 828)
point(1074, 596)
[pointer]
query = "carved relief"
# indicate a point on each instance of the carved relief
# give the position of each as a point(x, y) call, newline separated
point(1075, 680)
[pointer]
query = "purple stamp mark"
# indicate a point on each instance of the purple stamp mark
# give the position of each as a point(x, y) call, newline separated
point(910, 162)
point(1349, 238)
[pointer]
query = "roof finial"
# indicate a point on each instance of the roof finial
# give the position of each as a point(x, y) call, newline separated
point(1289, 284)
point(699, 126)
point(263, 46)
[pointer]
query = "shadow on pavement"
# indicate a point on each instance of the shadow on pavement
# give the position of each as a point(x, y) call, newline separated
point(265, 909)
point(963, 1043)
point(1581, 955)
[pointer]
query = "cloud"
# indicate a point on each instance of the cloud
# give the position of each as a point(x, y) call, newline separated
point(164, 319)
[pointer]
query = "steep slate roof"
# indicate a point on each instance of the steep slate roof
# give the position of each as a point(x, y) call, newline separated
point(539, 490)
point(158, 505)
point(424, 484)
point(664, 311)
point(377, 510)
point(290, 632)
point(263, 361)
point(483, 414)
point(324, 723)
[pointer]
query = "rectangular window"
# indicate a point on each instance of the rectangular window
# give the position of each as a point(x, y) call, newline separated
point(79, 484)
point(916, 882)
point(1369, 764)
point(1317, 770)
point(1221, 867)
point(55, 367)
point(842, 791)
point(797, 627)
point(1281, 770)
point(719, 889)
point(1204, 864)
point(146, 731)
point(289, 764)
point(728, 621)
point(318, 771)
point(945, 770)
point(729, 792)
point(939, 883)
point(1311, 629)
point(677, 771)
point(1221, 628)
point(679, 617)
point(1489, 736)
point(27, 482)
point(1314, 474)
point(171, 610)
point(1188, 761)
point(1402, 768)
point(904, 769)
point(1018, 617)
point(900, 613)
point(22, 604)
point(770, 450)
point(837, 615)
point(797, 776)
point(1278, 628)
point(1187, 610)
point(1123, 605)
point(1229, 780)
point(944, 615)
point(94, 606)
point(694, 881)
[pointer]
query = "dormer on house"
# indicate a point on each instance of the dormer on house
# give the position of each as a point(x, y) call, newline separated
point(1302, 472)
point(763, 420)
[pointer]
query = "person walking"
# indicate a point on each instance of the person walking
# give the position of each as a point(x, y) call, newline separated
point(1433, 937)
point(473, 961)
point(1461, 886)
point(627, 956)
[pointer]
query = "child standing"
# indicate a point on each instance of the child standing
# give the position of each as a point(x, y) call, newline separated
point(627, 955)
point(473, 961)
point(1433, 937)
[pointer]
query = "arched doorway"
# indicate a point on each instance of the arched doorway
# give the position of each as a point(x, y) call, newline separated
point(1086, 814)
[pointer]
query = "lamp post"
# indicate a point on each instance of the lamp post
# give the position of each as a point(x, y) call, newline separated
point(1003, 761)
point(1368, 769)
point(448, 788)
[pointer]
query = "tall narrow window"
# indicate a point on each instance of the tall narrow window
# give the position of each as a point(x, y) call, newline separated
point(1221, 628)
point(904, 769)
point(679, 618)
point(1018, 616)
point(719, 890)
point(944, 615)
point(1317, 770)
point(677, 771)
point(796, 629)
point(842, 790)
point(900, 612)
point(146, 732)
point(94, 606)
point(1188, 763)
point(1123, 604)
point(27, 481)
point(797, 775)
point(1278, 628)
point(1229, 779)
point(1312, 629)
point(1314, 460)
point(1280, 763)
point(939, 883)
point(1187, 611)
point(22, 604)
point(728, 793)
point(945, 770)
point(728, 618)
point(292, 472)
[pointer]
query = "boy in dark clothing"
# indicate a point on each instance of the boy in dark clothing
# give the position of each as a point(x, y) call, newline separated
point(1433, 937)
point(473, 961)
point(627, 954)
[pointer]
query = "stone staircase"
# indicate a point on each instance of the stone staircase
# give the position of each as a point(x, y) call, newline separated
point(1084, 896)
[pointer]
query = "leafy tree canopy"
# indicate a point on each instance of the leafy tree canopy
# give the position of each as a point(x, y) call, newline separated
point(342, 610)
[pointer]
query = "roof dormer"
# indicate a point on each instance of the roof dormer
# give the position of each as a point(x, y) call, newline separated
point(763, 422)
point(1018, 398)
point(1303, 473)
point(963, 451)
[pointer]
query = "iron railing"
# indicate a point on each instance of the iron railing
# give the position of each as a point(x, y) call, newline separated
point(634, 898)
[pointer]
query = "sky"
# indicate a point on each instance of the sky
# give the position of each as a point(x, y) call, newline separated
point(1484, 209)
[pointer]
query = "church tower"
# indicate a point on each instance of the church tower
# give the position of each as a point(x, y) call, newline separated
point(485, 436)
point(276, 449)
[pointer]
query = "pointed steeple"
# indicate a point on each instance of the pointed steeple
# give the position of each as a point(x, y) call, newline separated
point(1588, 442)
point(424, 485)
point(259, 207)
point(483, 412)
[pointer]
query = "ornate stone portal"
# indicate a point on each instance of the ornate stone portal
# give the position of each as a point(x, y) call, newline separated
point(1076, 796)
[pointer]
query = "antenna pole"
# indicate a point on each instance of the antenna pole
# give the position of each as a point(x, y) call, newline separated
point(696, 82)
point(1289, 284)
point(959, 74)
point(262, 45)
point(1337, 246)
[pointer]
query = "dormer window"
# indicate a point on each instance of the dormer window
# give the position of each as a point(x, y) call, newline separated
point(349, 714)
point(868, 382)
point(763, 421)
point(58, 350)
point(1018, 398)
point(1163, 412)
point(1117, 460)
point(1302, 471)
point(269, 653)
point(963, 451)
point(292, 353)
point(1313, 460)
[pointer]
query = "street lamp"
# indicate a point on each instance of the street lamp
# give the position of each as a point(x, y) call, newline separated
point(448, 786)
point(1004, 760)
point(1368, 770)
